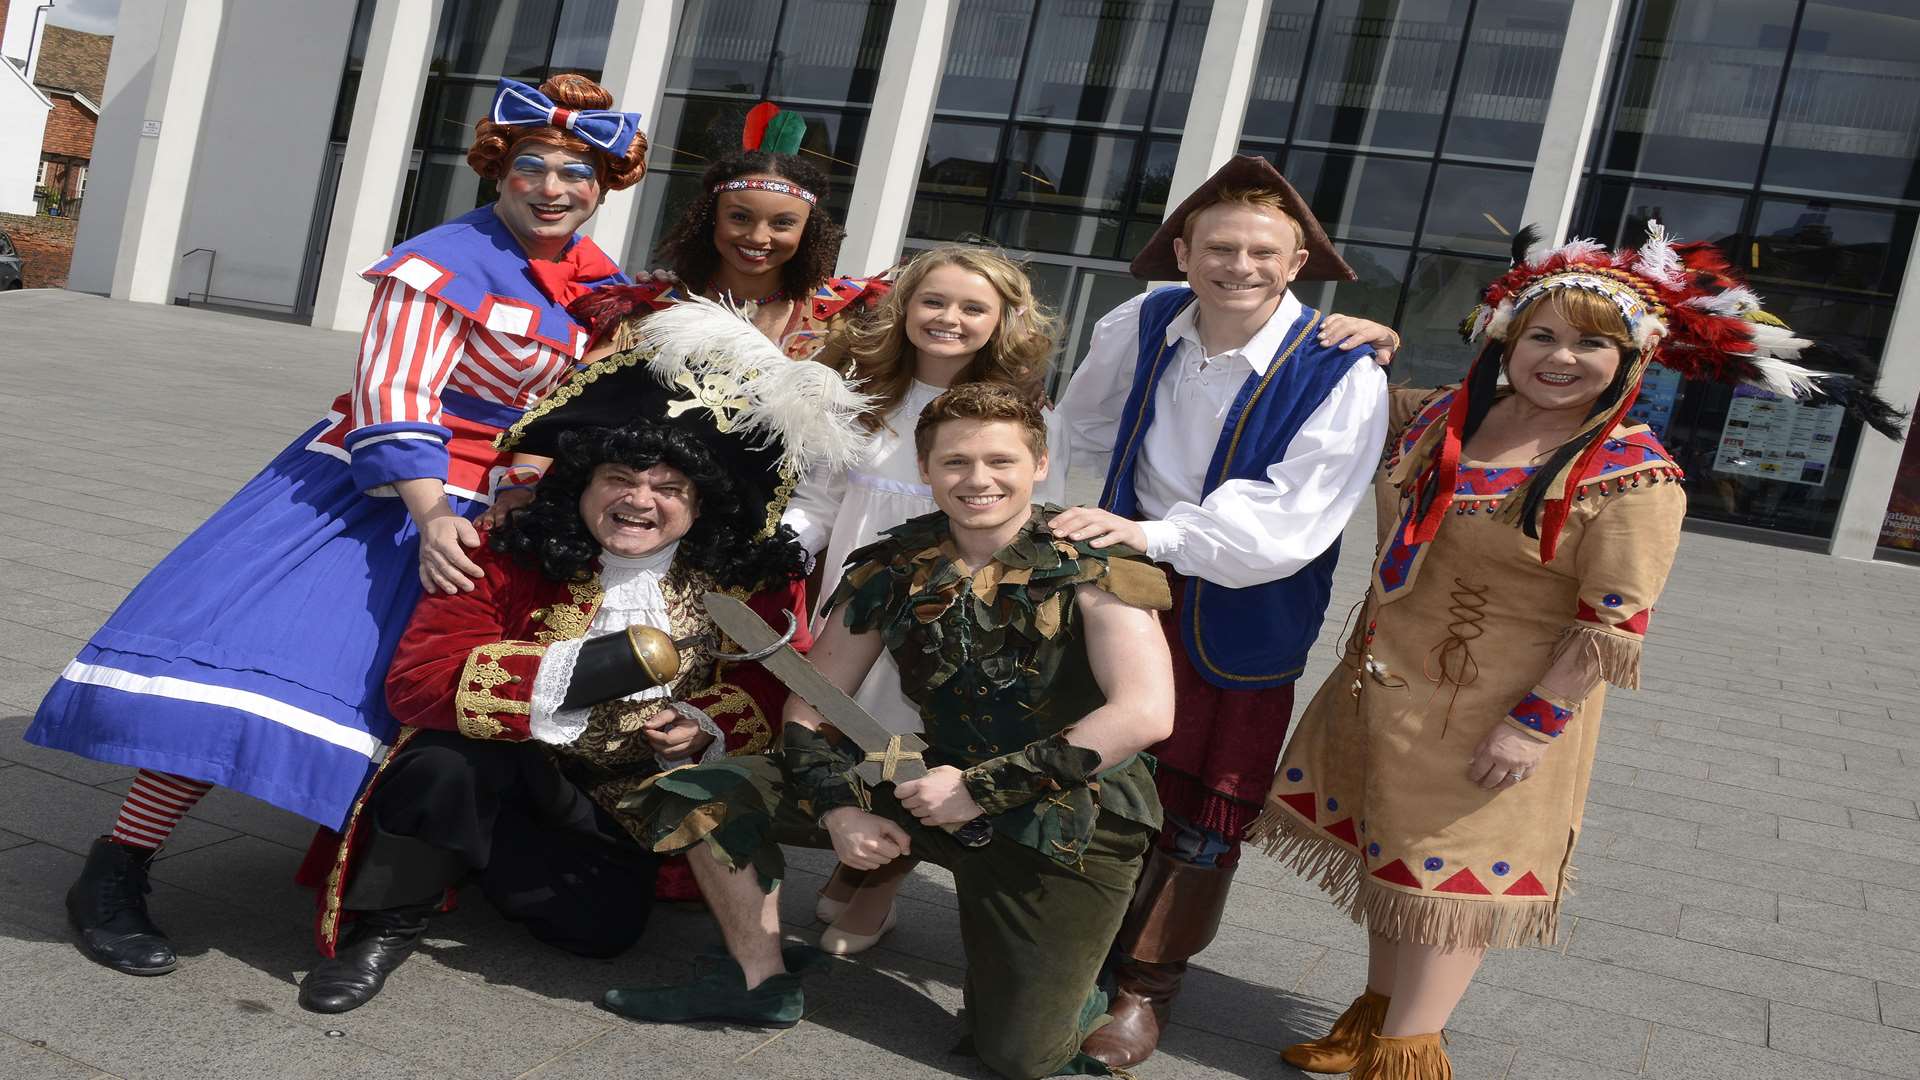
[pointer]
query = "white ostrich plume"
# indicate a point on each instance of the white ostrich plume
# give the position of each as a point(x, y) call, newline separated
point(714, 349)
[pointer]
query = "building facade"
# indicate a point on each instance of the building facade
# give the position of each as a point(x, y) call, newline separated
point(1424, 134)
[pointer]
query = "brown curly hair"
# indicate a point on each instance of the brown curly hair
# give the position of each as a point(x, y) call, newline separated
point(688, 249)
point(494, 145)
point(986, 402)
point(874, 352)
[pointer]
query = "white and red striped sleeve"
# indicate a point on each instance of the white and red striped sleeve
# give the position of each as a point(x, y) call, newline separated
point(409, 349)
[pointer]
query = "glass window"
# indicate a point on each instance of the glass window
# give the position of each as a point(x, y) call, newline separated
point(491, 38)
point(1361, 198)
point(723, 45)
point(1095, 293)
point(1441, 290)
point(1094, 62)
point(450, 110)
point(445, 189)
point(1735, 475)
point(830, 50)
point(1376, 292)
point(1069, 234)
point(1699, 87)
point(1156, 179)
point(1379, 74)
point(1618, 213)
point(1513, 53)
point(580, 41)
point(350, 80)
point(1276, 75)
point(1475, 209)
point(1813, 242)
point(938, 219)
point(960, 159)
point(1067, 170)
point(983, 58)
point(1850, 120)
point(1182, 64)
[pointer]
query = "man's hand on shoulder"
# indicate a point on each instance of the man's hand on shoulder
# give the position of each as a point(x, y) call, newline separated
point(1347, 332)
point(865, 840)
point(1098, 527)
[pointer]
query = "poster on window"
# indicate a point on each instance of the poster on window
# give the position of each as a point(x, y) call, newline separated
point(1902, 527)
point(1775, 439)
point(1659, 389)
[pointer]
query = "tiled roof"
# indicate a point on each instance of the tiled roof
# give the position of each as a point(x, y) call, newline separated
point(73, 61)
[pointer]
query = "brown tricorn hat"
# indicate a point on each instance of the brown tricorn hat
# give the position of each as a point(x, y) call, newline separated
point(1156, 261)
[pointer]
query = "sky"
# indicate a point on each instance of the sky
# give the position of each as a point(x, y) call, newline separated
point(92, 16)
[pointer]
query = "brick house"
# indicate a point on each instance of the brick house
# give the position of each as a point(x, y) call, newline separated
point(72, 73)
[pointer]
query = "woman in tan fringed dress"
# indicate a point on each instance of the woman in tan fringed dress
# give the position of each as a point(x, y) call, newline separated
point(1434, 786)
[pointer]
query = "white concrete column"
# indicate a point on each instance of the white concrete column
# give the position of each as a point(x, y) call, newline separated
point(162, 162)
point(639, 51)
point(895, 145)
point(1218, 109)
point(1573, 111)
point(116, 142)
point(386, 110)
point(1877, 460)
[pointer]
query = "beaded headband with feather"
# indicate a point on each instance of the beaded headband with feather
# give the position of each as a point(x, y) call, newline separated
point(1684, 307)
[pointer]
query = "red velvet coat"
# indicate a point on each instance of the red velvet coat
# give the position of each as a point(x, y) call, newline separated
point(467, 663)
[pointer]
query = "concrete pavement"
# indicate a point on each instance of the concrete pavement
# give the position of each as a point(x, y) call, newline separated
point(1749, 891)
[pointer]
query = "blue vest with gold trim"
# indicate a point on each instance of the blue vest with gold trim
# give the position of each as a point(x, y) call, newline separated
point(1257, 637)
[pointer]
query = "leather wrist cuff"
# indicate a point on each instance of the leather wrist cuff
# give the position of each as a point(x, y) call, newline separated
point(1543, 714)
point(1035, 770)
point(819, 769)
point(613, 666)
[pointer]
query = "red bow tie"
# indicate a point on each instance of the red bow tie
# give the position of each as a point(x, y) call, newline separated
point(568, 278)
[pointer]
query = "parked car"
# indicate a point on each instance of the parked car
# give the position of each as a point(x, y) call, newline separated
point(13, 275)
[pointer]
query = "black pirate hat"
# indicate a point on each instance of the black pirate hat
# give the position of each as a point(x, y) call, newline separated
point(701, 368)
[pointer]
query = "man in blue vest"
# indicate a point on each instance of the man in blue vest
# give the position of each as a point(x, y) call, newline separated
point(1242, 437)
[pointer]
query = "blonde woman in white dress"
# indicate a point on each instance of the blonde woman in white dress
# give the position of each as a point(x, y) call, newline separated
point(957, 314)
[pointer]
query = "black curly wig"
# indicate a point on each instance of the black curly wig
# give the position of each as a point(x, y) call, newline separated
point(688, 248)
point(549, 534)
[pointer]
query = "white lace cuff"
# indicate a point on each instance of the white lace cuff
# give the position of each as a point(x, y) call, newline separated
point(548, 722)
point(715, 750)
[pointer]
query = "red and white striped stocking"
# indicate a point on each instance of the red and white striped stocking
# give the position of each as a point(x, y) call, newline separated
point(154, 807)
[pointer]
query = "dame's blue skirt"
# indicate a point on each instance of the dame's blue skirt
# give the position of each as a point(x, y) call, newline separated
point(255, 655)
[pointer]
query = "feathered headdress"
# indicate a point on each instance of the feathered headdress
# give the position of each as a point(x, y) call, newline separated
point(1684, 307)
point(702, 367)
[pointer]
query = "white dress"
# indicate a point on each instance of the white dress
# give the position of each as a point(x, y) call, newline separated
point(839, 513)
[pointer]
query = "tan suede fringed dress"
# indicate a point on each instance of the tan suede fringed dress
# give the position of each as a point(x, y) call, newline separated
point(1372, 795)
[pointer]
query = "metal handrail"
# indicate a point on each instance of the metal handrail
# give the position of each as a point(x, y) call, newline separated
point(207, 291)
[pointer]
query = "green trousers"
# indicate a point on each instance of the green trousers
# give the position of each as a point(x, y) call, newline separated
point(1036, 931)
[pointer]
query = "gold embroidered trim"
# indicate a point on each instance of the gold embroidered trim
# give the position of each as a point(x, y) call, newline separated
point(336, 875)
point(752, 723)
point(475, 703)
point(782, 495)
point(566, 392)
point(566, 623)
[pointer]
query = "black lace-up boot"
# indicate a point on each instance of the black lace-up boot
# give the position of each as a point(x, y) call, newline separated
point(108, 906)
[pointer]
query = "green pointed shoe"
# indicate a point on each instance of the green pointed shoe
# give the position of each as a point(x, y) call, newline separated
point(718, 993)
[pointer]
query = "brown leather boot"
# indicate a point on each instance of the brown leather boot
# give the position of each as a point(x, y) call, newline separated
point(1404, 1057)
point(1340, 1048)
point(1175, 913)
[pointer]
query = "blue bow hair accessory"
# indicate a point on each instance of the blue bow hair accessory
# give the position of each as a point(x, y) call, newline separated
point(515, 104)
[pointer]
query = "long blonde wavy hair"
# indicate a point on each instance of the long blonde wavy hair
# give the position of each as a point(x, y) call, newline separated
point(874, 351)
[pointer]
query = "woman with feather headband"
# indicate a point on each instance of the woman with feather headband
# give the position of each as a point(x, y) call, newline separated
point(1435, 784)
